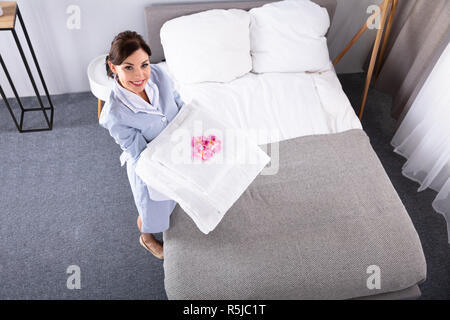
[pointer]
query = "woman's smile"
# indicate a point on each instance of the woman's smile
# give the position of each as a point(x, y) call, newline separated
point(137, 83)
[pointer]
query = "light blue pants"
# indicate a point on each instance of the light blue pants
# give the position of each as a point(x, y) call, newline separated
point(155, 215)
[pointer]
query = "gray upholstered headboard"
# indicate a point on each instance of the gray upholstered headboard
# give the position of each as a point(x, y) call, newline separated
point(157, 14)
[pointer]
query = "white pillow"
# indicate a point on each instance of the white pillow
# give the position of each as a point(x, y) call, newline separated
point(289, 36)
point(212, 45)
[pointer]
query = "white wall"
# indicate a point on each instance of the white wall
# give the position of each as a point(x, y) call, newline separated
point(64, 54)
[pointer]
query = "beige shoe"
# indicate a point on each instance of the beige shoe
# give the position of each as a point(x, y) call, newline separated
point(157, 255)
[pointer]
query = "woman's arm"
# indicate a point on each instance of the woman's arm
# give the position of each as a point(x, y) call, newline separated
point(130, 139)
point(171, 85)
point(178, 100)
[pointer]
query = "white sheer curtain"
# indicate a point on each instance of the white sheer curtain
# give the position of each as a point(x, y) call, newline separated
point(424, 137)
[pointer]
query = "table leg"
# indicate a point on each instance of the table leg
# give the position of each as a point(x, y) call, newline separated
point(11, 83)
point(38, 68)
point(30, 75)
point(99, 107)
point(2, 93)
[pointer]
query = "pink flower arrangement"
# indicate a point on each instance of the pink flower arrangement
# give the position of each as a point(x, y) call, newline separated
point(205, 147)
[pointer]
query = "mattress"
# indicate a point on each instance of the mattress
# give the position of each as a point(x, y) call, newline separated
point(311, 230)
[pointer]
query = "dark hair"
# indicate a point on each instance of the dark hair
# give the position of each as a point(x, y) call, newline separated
point(123, 45)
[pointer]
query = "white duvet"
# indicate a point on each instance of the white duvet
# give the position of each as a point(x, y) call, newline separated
point(276, 106)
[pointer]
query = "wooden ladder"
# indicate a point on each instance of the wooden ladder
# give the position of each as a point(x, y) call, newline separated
point(384, 8)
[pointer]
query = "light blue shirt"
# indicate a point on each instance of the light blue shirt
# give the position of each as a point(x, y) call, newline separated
point(133, 123)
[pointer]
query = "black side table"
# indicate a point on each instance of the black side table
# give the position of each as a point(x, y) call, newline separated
point(7, 22)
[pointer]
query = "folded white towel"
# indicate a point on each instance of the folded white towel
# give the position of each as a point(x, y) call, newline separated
point(202, 163)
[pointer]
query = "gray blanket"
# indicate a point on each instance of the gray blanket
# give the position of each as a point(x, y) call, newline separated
point(318, 229)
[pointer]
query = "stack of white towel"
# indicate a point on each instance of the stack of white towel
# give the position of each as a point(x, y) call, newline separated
point(202, 163)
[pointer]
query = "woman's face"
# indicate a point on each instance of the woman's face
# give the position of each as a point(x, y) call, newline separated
point(134, 71)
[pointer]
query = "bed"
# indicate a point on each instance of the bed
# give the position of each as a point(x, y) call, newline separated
point(328, 225)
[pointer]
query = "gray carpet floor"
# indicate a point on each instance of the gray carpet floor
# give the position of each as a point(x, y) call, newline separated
point(65, 200)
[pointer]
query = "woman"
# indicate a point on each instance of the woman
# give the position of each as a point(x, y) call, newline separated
point(142, 102)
